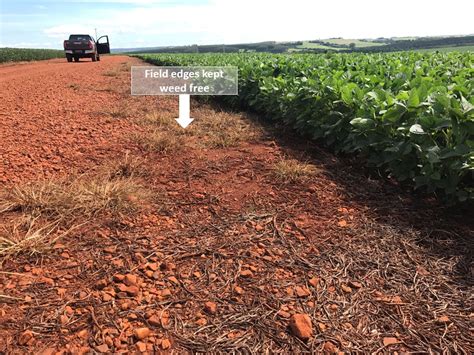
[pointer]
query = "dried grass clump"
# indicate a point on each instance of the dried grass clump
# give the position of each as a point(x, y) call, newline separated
point(163, 120)
point(221, 129)
point(120, 111)
point(292, 170)
point(111, 73)
point(70, 198)
point(216, 129)
point(127, 167)
point(26, 237)
point(159, 141)
point(35, 215)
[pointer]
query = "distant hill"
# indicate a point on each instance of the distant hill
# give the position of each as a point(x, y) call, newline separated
point(321, 46)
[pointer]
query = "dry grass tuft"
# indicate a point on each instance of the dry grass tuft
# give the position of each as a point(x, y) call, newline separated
point(73, 198)
point(41, 212)
point(292, 170)
point(125, 66)
point(111, 73)
point(120, 111)
point(25, 237)
point(159, 141)
point(221, 129)
point(127, 167)
point(164, 120)
point(213, 129)
point(74, 86)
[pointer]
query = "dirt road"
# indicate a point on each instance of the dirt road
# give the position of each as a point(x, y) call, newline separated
point(58, 116)
point(122, 232)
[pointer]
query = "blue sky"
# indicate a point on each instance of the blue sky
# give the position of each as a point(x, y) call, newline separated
point(140, 23)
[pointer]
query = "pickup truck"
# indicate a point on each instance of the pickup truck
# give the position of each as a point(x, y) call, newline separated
point(84, 46)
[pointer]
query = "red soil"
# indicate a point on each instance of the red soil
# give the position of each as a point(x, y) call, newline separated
point(225, 257)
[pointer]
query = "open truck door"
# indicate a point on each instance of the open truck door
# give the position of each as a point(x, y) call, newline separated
point(103, 46)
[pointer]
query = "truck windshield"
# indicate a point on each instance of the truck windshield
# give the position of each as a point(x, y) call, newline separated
point(80, 38)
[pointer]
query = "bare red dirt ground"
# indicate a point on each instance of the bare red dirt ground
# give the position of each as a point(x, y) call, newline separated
point(224, 255)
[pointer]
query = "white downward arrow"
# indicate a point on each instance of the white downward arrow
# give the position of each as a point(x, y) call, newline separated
point(184, 110)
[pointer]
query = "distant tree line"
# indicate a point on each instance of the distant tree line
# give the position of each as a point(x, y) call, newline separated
point(419, 43)
point(391, 45)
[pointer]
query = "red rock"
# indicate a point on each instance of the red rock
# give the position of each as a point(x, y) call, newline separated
point(141, 346)
point(301, 326)
point(314, 281)
point(48, 351)
point(83, 334)
point(238, 290)
point(118, 277)
point(422, 271)
point(173, 280)
point(153, 266)
point(201, 322)
point(25, 337)
point(167, 266)
point(443, 320)
point(165, 319)
point(141, 333)
point(132, 290)
point(246, 273)
point(210, 307)
point(283, 314)
point(104, 348)
point(390, 341)
point(302, 291)
point(342, 223)
point(106, 297)
point(130, 280)
point(346, 288)
point(101, 284)
point(330, 348)
point(165, 344)
point(48, 281)
point(63, 319)
point(165, 293)
point(154, 321)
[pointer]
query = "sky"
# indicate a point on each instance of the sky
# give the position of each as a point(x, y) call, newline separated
point(145, 23)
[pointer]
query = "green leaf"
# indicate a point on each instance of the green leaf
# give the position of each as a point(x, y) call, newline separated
point(413, 100)
point(395, 113)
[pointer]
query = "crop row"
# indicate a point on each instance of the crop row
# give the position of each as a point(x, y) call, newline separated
point(411, 115)
point(28, 54)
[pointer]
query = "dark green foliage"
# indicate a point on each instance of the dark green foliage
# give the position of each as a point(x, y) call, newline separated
point(410, 115)
point(27, 54)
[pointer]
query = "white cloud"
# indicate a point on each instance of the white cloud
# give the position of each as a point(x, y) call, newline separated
point(29, 45)
point(223, 21)
point(63, 31)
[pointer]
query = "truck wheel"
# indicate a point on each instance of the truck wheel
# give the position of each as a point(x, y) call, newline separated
point(94, 58)
point(69, 58)
point(98, 58)
point(76, 59)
